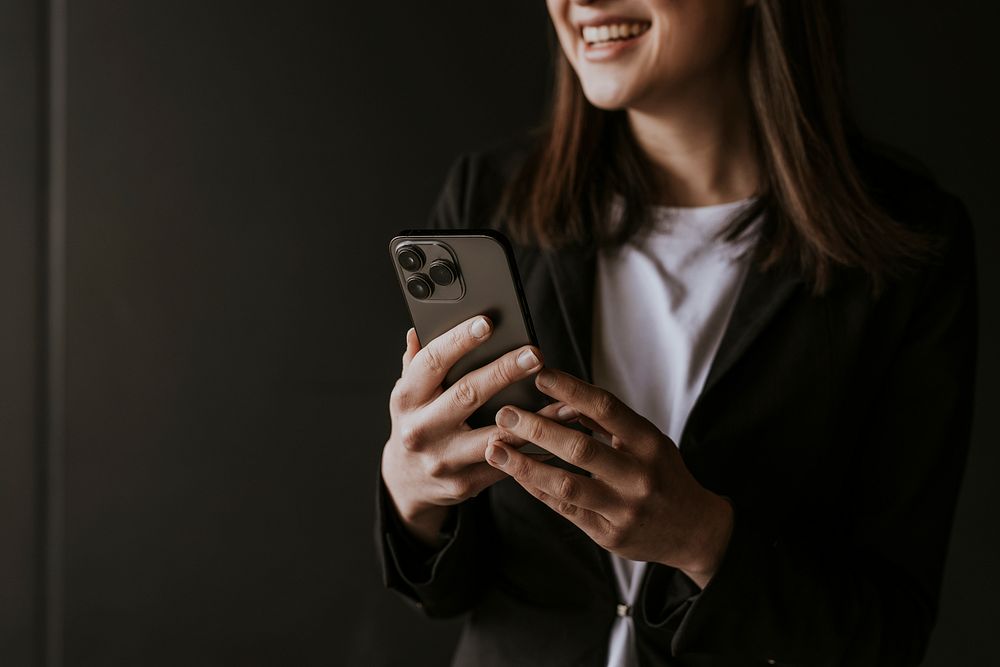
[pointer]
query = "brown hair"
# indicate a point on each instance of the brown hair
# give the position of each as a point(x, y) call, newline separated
point(819, 213)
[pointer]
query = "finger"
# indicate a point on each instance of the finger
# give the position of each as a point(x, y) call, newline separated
point(519, 443)
point(590, 424)
point(412, 347)
point(461, 399)
point(570, 415)
point(472, 480)
point(559, 411)
point(568, 444)
point(468, 448)
point(451, 488)
point(432, 362)
point(556, 411)
point(565, 487)
point(591, 523)
point(601, 406)
point(465, 449)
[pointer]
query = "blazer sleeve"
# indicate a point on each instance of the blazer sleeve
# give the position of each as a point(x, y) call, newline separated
point(869, 599)
point(442, 582)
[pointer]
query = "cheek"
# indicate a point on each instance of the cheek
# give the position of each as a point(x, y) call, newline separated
point(558, 12)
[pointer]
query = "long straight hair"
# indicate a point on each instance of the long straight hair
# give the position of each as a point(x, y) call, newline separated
point(817, 209)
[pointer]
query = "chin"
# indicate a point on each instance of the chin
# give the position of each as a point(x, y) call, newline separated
point(607, 95)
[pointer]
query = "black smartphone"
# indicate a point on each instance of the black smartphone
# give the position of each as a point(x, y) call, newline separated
point(448, 276)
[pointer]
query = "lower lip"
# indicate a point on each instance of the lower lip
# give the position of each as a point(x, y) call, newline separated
point(610, 50)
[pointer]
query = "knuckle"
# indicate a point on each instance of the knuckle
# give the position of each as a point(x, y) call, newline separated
point(517, 469)
point(460, 338)
point(630, 515)
point(645, 484)
point(614, 537)
point(398, 397)
point(502, 372)
point(573, 391)
point(465, 394)
point(535, 429)
point(411, 436)
point(568, 489)
point(565, 507)
point(459, 488)
point(436, 467)
point(604, 406)
point(581, 449)
point(432, 360)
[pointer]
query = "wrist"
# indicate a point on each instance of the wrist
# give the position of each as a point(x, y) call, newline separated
point(422, 520)
point(426, 524)
point(711, 540)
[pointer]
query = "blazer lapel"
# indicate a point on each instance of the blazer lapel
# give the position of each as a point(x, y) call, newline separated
point(762, 294)
point(572, 269)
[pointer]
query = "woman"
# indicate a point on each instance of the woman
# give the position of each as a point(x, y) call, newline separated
point(759, 335)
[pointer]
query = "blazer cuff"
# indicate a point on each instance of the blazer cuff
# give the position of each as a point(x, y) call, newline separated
point(414, 560)
point(666, 598)
point(685, 619)
point(433, 580)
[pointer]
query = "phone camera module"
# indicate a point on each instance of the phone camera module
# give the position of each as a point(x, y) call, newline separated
point(419, 287)
point(442, 272)
point(411, 258)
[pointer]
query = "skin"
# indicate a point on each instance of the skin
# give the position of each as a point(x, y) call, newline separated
point(640, 502)
point(433, 459)
point(682, 89)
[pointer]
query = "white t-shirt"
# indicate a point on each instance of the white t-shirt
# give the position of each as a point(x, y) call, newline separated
point(662, 303)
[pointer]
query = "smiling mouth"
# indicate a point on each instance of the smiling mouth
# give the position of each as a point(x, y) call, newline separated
point(594, 35)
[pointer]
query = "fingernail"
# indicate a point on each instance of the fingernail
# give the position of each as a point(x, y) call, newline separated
point(497, 455)
point(546, 379)
point(480, 327)
point(566, 413)
point(527, 360)
point(507, 418)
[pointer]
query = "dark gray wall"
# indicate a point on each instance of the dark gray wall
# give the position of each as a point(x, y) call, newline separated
point(20, 239)
point(235, 170)
point(923, 76)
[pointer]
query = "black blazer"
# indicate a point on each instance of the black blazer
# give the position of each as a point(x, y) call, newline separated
point(838, 425)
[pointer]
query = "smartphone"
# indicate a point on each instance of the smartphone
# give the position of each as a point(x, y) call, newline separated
point(448, 276)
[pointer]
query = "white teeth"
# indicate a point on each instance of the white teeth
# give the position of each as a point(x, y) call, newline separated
point(605, 33)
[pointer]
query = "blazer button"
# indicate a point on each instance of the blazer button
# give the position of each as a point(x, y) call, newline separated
point(624, 610)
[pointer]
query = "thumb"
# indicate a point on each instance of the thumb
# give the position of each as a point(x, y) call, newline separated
point(412, 347)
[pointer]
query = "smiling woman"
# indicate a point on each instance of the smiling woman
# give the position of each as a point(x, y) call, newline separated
point(759, 338)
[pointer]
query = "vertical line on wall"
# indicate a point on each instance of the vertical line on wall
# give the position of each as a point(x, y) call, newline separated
point(52, 311)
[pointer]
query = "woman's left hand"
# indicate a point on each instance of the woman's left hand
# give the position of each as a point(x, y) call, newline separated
point(641, 502)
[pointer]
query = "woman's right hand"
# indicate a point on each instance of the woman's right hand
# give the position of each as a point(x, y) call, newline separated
point(433, 458)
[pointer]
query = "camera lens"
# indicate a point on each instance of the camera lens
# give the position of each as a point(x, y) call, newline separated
point(442, 272)
point(410, 258)
point(419, 286)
